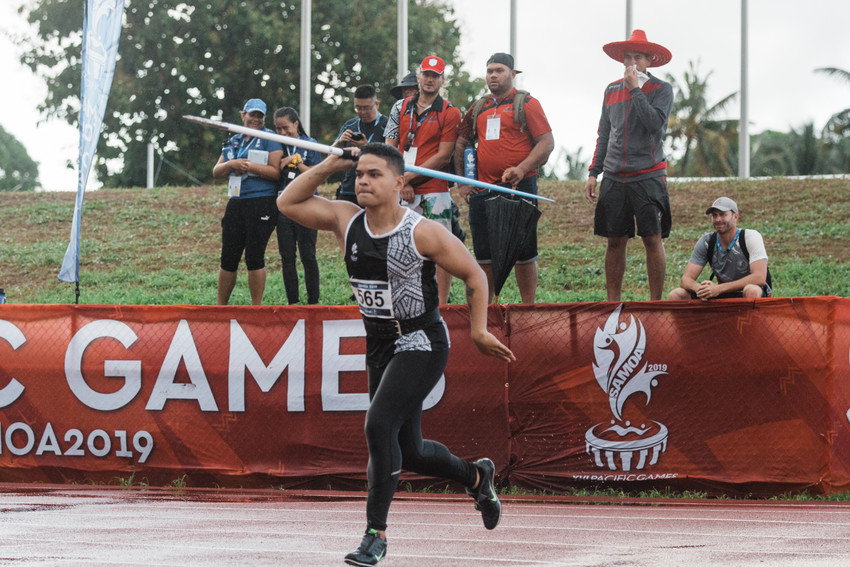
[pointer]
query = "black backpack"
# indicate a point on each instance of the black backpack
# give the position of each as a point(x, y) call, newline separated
point(712, 244)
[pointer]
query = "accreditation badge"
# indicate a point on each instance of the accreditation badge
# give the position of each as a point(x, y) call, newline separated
point(234, 185)
point(410, 156)
point(494, 127)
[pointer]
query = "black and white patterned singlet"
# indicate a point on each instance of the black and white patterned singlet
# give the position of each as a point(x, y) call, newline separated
point(391, 280)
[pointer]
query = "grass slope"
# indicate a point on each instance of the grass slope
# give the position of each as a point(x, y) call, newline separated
point(161, 246)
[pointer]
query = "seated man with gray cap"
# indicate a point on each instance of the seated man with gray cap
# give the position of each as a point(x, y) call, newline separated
point(736, 256)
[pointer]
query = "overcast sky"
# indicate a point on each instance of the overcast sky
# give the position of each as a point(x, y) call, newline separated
point(559, 48)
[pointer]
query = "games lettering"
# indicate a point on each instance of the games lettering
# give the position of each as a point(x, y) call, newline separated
point(28, 437)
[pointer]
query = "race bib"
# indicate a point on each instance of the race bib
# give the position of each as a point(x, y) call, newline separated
point(374, 298)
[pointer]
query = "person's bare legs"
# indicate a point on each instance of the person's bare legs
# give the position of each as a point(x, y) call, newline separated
point(656, 264)
point(679, 294)
point(526, 280)
point(226, 283)
point(615, 266)
point(257, 285)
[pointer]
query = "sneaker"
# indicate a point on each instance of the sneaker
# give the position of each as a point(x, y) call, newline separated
point(372, 549)
point(486, 500)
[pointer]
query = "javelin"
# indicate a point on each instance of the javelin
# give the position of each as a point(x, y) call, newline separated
point(322, 148)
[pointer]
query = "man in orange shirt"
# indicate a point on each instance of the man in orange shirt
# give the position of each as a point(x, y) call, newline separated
point(427, 130)
point(510, 149)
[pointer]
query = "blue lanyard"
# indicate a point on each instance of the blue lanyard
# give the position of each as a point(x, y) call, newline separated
point(242, 151)
point(731, 244)
point(375, 123)
point(411, 133)
point(292, 150)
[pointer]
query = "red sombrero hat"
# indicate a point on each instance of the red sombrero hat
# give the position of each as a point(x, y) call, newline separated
point(658, 54)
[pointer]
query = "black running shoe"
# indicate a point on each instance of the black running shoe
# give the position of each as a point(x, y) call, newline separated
point(486, 500)
point(372, 549)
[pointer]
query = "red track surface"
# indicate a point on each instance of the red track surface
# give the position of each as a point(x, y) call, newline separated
point(66, 525)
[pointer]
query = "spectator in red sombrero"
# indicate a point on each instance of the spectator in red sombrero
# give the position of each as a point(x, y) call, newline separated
point(630, 155)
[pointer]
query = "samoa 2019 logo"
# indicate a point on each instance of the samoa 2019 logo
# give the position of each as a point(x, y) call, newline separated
point(621, 372)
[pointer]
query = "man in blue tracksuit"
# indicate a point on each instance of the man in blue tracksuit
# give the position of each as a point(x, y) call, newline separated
point(630, 153)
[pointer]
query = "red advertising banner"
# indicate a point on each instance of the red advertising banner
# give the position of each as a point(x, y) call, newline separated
point(736, 394)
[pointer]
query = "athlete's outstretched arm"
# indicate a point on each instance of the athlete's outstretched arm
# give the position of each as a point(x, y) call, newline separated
point(441, 246)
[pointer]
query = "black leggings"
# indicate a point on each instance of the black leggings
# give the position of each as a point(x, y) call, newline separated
point(394, 434)
point(289, 235)
point(247, 226)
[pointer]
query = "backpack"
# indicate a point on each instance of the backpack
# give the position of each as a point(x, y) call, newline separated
point(519, 112)
point(712, 244)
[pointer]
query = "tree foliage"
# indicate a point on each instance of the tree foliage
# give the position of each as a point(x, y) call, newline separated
point(786, 153)
point(838, 125)
point(18, 171)
point(574, 165)
point(706, 143)
point(835, 135)
point(207, 57)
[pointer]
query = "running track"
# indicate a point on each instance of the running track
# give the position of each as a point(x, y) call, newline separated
point(72, 525)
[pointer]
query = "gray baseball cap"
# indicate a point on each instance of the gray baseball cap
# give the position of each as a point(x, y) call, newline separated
point(723, 204)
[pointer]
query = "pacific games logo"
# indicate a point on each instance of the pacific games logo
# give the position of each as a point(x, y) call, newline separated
point(618, 348)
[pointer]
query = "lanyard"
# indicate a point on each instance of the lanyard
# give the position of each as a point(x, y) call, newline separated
point(731, 244)
point(497, 103)
point(292, 150)
point(373, 124)
point(242, 151)
point(411, 134)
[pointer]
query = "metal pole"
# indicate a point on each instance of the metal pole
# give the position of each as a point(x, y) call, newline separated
point(513, 31)
point(743, 126)
point(628, 19)
point(150, 166)
point(402, 68)
point(306, 53)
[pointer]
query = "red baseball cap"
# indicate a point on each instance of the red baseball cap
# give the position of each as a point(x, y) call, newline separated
point(434, 64)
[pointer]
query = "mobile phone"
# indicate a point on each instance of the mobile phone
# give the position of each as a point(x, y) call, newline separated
point(357, 136)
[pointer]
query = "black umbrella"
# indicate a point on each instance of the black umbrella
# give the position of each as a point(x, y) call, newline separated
point(509, 222)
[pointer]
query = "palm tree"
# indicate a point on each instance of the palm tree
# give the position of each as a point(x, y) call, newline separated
point(836, 132)
point(707, 144)
point(786, 153)
point(576, 166)
point(839, 123)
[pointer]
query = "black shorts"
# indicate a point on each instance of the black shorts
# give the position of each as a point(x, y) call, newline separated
point(247, 226)
point(622, 205)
